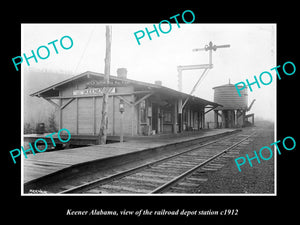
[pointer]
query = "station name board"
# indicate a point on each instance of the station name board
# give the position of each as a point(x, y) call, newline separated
point(89, 91)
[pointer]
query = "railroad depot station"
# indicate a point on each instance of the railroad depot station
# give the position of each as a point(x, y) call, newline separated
point(148, 109)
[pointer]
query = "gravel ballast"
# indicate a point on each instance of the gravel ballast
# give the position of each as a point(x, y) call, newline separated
point(256, 179)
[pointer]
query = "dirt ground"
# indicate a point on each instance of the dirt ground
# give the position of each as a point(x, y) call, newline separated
point(256, 179)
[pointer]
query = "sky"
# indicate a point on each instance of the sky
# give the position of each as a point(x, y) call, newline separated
point(252, 51)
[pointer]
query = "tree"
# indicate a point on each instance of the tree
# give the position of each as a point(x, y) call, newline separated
point(52, 123)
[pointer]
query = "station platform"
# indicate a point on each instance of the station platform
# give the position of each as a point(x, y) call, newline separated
point(49, 163)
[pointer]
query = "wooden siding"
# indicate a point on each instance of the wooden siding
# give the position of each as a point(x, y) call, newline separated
point(82, 116)
point(129, 117)
point(68, 89)
point(85, 116)
point(85, 120)
point(228, 96)
point(110, 113)
point(69, 116)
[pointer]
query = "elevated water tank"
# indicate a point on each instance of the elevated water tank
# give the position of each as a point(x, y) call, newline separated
point(228, 96)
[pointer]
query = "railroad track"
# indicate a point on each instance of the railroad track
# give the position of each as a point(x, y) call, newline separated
point(179, 173)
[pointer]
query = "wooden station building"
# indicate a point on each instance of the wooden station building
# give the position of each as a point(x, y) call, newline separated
point(148, 108)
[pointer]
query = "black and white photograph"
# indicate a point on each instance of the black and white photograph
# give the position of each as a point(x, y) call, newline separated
point(172, 115)
point(165, 117)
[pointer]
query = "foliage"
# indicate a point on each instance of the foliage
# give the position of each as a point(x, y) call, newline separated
point(51, 123)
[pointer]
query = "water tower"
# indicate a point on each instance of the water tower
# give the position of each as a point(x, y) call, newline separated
point(234, 107)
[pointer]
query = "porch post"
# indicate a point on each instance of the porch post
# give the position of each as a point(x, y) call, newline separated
point(216, 118)
point(180, 123)
point(175, 118)
point(203, 119)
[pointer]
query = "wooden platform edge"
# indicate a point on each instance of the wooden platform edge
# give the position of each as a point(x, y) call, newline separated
point(73, 169)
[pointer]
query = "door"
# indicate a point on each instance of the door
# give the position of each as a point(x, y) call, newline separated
point(155, 118)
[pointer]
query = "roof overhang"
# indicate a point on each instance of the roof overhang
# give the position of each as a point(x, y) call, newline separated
point(53, 89)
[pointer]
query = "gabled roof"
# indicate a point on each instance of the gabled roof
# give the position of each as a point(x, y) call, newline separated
point(89, 74)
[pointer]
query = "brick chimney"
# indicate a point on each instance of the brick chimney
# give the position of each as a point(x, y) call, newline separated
point(122, 73)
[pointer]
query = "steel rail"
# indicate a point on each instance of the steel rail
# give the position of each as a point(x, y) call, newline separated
point(184, 175)
point(124, 173)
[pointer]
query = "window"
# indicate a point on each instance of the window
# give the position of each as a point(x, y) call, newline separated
point(167, 117)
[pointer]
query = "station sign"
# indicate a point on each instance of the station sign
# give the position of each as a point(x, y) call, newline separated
point(97, 88)
point(89, 91)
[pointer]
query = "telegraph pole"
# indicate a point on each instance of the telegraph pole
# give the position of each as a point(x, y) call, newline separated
point(206, 68)
point(104, 118)
point(209, 48)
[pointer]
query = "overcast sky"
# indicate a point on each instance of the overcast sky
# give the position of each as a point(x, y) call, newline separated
point(252, 51)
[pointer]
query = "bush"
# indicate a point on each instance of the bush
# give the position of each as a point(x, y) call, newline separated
point(28, 128)
point(51, 123)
